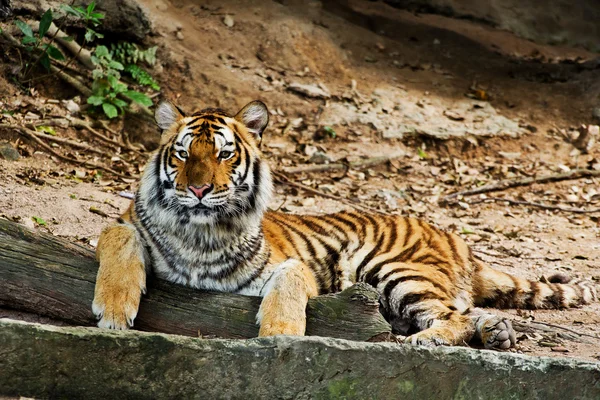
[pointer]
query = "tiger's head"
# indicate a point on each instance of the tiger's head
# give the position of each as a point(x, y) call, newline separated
point(208, 164)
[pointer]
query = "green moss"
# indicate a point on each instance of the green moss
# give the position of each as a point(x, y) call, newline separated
point(342, 389)
point(406, 386)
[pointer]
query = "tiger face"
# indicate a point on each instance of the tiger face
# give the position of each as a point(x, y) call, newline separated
point(209, 161)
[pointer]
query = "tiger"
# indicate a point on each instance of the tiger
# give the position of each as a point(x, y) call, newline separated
point(200, 218)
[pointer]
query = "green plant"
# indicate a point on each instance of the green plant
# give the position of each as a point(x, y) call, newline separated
point(107, 90)
point(141, 76)
point(35, 45)
point(130, 55)
point(89, 17)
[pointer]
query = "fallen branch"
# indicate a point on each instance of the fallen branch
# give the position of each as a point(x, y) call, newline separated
point(80, 123)
point(367, 163)
point(58, 139)
point(279, 177)
point(33, 135)
point(83, 55)
point(538, 205)
point(52, 277)
point(561, 331)
point(503, 185)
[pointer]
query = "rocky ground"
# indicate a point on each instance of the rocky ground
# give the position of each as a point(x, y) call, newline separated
point(449, 105)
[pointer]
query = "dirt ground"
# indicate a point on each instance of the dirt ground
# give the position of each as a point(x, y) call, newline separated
point(459, 105)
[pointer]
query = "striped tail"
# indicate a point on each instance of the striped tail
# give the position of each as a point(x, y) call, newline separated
point(500, 290)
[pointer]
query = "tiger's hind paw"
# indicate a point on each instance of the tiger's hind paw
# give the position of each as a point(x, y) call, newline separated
point(498, 333)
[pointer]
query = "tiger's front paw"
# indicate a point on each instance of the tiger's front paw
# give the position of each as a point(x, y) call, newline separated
point(116, 308)
point(280, 327)
point(429, 337)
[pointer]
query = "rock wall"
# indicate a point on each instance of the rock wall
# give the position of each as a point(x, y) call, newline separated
point(53, 362)
point(570, 22)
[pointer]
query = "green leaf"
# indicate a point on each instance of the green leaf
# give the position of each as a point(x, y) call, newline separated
point(120, 87)
point(97, 15)
point(116, 65)
point(45, 22)
point(45, 61)
point(421, 153)
point(112, 80)
point(139, 98)
point(55, 53)
point(101, 51)
point(29, 40)
point(109, 110)
point(90, 8)
point(119, 103)
point(89, 35)
point(24, 27)
point(95, 100)
point(46, 129)
point(97, 74)
point(330, 131)
point(76, 11)
point(38, 220)
point(467, 231)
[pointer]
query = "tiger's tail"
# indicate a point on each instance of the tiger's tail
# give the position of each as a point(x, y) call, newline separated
point(501, 290)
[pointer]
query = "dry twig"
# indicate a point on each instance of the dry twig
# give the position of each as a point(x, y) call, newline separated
point(369, 162)
point(521, 326)
point(59, 140)
point(279, 177)
point(503, 185)
point(538, 205)
point(33, 135)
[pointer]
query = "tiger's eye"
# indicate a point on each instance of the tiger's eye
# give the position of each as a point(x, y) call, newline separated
point(225, 155)
point(182, 154)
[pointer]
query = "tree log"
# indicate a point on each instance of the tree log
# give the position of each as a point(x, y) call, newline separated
point(52, 277)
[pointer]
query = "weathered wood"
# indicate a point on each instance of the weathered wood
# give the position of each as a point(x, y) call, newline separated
point(52, 277)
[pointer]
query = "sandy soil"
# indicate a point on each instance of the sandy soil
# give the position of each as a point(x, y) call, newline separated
point(399, 84)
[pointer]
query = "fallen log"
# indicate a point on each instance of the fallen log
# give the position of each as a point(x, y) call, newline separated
point(54, 278)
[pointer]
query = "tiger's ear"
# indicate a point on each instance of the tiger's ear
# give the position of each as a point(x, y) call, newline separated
point(167, 115)
point(255, 117)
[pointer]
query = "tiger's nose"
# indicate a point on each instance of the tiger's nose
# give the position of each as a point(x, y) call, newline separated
point(201, 191)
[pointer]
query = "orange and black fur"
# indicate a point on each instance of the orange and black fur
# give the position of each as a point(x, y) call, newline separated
point(200, 219)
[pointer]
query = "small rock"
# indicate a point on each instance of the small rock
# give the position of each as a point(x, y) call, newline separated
point(28, 222)
point(510, 155)
point(560, 349)
point(308, 202)
point(179, 35)
point(315, 91)
point(587, 137)
point(31, 116)
point(319, 157)
point(596, 114)
point(228, 21)
point(8, 152)
point(71, 106)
